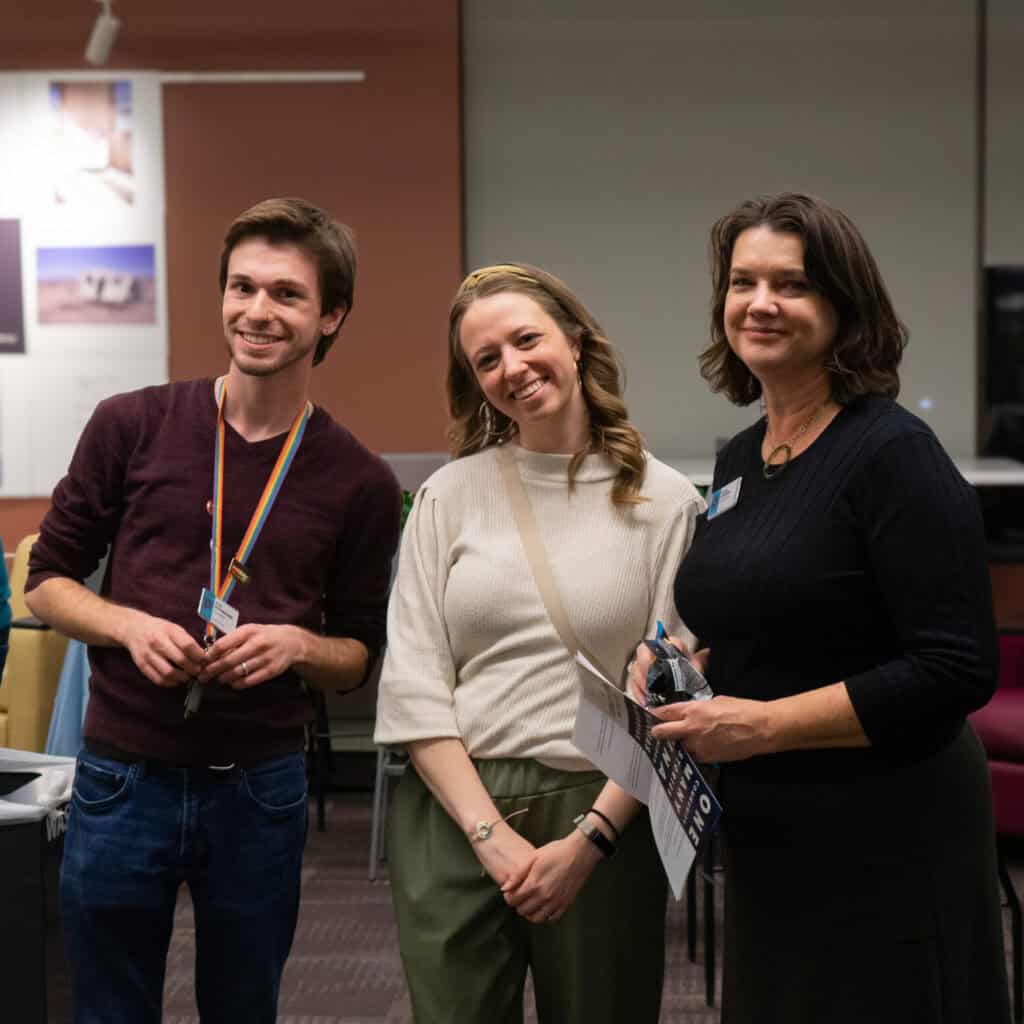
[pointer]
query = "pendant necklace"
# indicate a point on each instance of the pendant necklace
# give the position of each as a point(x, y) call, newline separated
point(770, 469)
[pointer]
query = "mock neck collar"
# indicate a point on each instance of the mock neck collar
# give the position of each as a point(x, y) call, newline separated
point(555, 467)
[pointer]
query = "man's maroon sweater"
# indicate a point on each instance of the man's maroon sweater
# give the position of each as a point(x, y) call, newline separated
point(140, 481)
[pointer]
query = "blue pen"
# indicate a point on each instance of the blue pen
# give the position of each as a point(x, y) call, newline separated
point(661, 631)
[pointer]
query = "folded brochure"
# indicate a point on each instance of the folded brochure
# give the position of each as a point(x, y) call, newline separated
point(614, 732)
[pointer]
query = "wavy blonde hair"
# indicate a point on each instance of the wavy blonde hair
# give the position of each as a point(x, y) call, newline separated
point(476, 425)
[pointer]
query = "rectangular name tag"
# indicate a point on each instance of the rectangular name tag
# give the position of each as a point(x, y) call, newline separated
point(217, 612)
point(724, 498)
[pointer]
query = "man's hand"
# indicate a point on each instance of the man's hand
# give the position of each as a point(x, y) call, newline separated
point(549, 885)
point(253, 654)
point(162, 651)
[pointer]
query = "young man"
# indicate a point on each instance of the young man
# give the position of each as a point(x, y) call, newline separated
point(250, 539)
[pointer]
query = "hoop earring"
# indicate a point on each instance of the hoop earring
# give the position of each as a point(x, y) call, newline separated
point(833, 365)
point(490, 427)
point(487, 418)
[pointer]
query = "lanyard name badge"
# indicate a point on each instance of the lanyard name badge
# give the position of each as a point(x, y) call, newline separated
point(724, 498)
point(214, 607)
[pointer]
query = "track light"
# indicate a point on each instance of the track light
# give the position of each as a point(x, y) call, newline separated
point(104, 32)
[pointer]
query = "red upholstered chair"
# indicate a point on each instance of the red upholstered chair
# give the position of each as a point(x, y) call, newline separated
point(1000, 726)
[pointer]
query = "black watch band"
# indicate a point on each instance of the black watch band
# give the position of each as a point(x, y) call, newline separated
point(616, 834)
point(595, 835)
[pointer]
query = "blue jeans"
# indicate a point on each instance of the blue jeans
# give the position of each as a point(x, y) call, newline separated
point(136, 832)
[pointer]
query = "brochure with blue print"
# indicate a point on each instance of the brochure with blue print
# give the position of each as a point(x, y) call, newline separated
point(614, 732)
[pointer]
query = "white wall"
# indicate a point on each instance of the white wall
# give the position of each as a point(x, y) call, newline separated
point(73, 361)
point(1005, 151)
point(602, 141)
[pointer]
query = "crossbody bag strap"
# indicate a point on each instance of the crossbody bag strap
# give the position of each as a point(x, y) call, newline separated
point(536, 555)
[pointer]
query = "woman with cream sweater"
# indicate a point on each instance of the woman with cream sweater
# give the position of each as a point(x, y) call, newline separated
point(508, 850)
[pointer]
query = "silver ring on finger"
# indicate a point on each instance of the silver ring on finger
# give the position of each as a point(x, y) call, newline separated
point(245, 668)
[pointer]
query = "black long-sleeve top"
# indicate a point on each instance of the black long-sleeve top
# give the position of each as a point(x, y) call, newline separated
point(864, 562)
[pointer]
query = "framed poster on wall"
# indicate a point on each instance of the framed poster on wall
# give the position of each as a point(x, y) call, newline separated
point(12, 307)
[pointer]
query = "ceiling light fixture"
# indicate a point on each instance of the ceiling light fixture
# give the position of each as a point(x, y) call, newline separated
point(104, 32)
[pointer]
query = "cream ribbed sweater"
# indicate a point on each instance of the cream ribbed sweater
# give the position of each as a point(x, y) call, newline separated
point(471, 651)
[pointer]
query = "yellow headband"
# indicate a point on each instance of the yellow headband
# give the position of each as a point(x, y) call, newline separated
point(497, 270)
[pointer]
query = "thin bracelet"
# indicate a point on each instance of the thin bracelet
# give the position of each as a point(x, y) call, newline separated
point(608, 821)
point(484, 829)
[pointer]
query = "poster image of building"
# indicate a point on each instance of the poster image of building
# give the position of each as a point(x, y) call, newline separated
point(112, 284)
point(12, 317)
point(93, 135)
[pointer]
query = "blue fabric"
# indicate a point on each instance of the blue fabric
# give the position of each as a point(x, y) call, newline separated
point(5, 608)
point(5, 594)
point(65, 735)
point(136, 833)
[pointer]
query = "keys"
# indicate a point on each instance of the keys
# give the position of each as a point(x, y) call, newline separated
point(194, 695)
point(193, 698)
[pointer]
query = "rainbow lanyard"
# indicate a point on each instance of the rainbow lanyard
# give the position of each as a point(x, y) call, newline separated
point(237, 572)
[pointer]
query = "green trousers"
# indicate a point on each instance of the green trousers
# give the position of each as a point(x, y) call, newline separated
point(466, 952)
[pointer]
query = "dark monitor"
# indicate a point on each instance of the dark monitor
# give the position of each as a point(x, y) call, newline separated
point(1004, 341)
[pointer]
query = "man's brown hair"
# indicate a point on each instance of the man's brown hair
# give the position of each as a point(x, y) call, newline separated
point(330, 243)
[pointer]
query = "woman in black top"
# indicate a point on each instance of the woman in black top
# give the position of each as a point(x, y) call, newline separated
point(844, 598)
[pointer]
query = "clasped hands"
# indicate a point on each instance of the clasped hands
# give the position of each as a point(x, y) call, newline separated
point(539, 883)
point(168, 656)
point(715, 730)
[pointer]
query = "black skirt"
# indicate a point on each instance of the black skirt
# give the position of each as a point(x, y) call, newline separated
point(866, 899)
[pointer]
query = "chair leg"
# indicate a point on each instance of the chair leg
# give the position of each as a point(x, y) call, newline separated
point(323, 752)
point(385, 800)
point(1016, 929)
point(709, 922)
point(691, 913)
point(376, 822)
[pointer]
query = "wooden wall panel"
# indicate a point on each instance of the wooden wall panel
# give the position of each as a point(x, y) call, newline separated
point(20, 516)
point(369, 154)
point(1008, 595)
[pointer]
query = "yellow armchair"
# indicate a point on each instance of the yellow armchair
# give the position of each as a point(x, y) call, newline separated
point(32, 672)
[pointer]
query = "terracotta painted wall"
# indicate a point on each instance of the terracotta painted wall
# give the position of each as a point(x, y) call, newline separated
point(1008, 595)
point(384, 156)
point(366, 152)
point(18, 517)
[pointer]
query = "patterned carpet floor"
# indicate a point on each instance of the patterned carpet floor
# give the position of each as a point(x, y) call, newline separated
point(344, 967)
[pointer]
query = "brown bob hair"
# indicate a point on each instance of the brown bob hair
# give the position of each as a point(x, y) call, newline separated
point(476, 425)
point(330, 243)
point(870, 338)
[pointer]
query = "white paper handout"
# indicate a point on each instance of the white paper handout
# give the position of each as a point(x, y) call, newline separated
point(43, 794)
point(614, 732)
